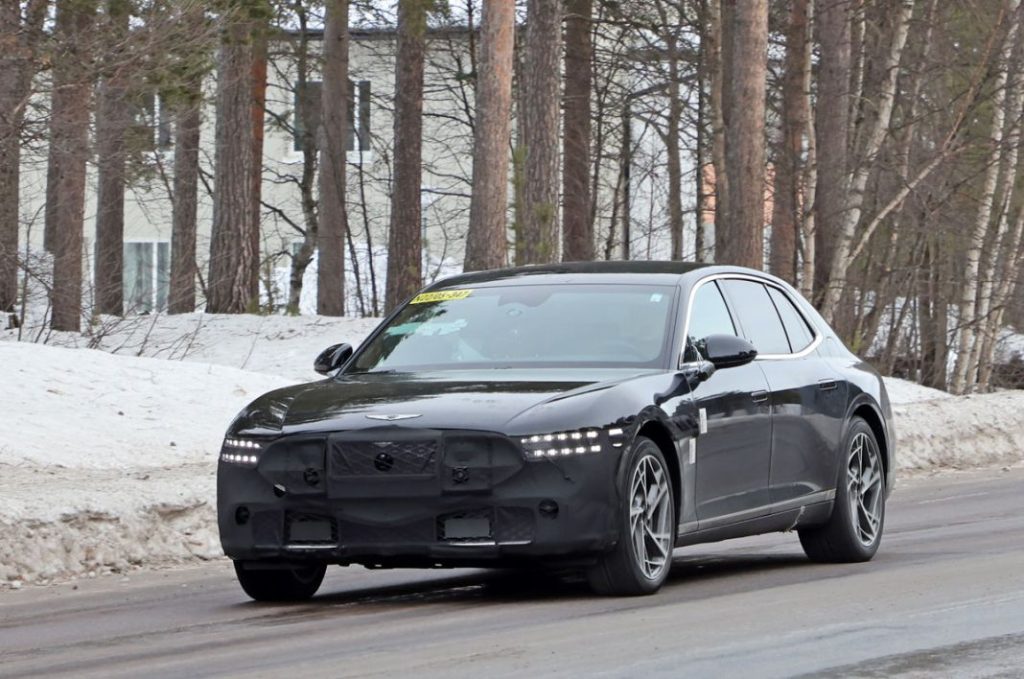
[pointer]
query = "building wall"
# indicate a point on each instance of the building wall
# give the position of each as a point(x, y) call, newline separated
point(447, 152)
point(447, 173)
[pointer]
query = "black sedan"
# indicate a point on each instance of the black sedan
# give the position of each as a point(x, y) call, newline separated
point(579, 416)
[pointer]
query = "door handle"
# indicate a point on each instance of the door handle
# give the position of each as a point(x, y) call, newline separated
point(827, 385)
point(759, 396)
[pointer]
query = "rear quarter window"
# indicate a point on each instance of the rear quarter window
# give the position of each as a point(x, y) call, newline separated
point(797, 328)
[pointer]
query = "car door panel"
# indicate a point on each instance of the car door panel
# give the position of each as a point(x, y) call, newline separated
point(732, 457)
point(807, 410)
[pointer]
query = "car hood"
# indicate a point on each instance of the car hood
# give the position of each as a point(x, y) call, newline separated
point(479, 400)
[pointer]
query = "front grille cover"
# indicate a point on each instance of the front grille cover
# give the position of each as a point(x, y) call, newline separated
point(514, 524)
point(383, 458)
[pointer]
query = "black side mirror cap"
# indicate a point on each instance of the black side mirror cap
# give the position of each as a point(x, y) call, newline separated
point(332, 358)
point(727, 351)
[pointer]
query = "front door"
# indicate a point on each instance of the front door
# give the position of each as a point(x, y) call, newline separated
point(733, 455)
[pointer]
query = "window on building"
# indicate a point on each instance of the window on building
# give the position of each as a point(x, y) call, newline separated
point(154, 123)
point(146, 276)
point(307, 116)
point(359, 125)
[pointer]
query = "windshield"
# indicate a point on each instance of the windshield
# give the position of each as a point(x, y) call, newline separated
point(526, 326)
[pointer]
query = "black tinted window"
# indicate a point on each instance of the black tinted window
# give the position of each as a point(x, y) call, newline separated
point(709, 316)
point(757, 317)
point(799, 333)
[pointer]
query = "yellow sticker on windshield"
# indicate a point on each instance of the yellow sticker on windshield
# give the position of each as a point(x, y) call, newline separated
point(440, 296)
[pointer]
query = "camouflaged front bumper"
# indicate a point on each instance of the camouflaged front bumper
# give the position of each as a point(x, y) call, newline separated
point(395, 496)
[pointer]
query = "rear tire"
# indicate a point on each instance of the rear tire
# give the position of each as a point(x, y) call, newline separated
point(292, 584)
point(640, 562)
point(854, 531)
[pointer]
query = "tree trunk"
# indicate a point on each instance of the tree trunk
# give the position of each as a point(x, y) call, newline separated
point(184, 204)
point(52, 195)
point(674, 160)
point(967, 318)
point(540, 131)
point(69, 137)
point(809, 176)
point(258, 109)
point(17, 64)
point(405, 239)
point(705, 202)
point(742, 240)
point(14, 62)
point(112, 119)
point(577, 234)
point(234, 259)
point(875, 129)
point(832, 123)
point(1008, 280)
point(487, 240)
point(988, 309)
point(333, 219)
point(787, 194)
point(716, 102)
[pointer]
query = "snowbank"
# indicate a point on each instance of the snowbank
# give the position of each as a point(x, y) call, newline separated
point(964, 431)
point(108, 461)
point(275, 345)
point(107, 458)
point(87, 408)
point(904, 391)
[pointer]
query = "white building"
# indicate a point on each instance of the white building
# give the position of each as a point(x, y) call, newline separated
point(447, 172)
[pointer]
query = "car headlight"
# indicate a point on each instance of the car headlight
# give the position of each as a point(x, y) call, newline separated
point(566, 443)
point(241, 451)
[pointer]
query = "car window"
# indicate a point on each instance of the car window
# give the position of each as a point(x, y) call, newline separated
point(526, 326)
point(709, 316)
point(799, 333)
point(758, 320)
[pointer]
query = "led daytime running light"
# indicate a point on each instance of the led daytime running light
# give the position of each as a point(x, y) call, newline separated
point(241, 451)
point(562, 444)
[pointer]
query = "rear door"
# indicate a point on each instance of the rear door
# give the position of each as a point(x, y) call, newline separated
point(806, 398)
point(733, 456)
point(808, 407)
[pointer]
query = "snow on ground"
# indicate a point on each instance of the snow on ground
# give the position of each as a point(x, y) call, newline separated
point(959, 432)
point(107, 458)
point(87, 408)
point(905, 391)
point(108, 461)
point(276, 345)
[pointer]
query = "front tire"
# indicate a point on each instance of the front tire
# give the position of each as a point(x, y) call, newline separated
point(291, 584)
point(854, 530)
point(641, 559)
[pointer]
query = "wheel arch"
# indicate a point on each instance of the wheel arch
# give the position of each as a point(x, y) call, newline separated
point(661, 436)
point(871, 414)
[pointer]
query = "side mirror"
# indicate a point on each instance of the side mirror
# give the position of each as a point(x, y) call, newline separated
point(727, 351)
point(332, 358)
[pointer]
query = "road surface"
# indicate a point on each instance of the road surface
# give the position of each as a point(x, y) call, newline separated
point(944, 597)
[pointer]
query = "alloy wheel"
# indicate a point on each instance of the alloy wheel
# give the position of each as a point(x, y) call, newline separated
point(650, 516)
point(865, 489)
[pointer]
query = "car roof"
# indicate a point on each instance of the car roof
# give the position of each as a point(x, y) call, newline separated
point(610, 272)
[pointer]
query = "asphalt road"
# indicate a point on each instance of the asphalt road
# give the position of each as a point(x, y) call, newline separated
point(944, 597)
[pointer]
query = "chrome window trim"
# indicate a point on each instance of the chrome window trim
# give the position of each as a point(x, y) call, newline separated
point(815, 343)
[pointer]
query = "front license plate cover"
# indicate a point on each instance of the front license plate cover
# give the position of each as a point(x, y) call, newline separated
point(467, 528)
